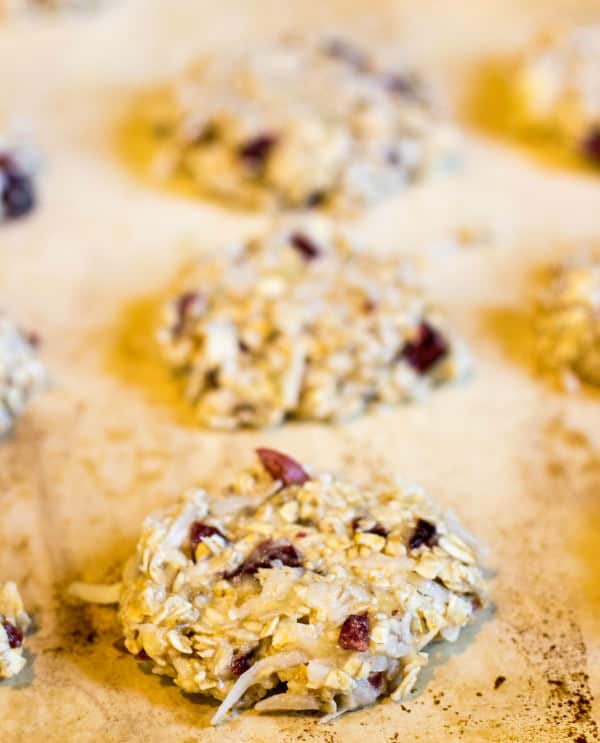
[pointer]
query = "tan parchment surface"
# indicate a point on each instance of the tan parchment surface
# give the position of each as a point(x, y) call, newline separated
point(517, 461)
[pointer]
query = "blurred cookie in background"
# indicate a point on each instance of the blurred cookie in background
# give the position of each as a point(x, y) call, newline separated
point(297, 124)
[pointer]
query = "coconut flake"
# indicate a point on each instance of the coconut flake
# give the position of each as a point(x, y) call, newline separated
point(96, 593)
point(265, 667)
point(287, 702)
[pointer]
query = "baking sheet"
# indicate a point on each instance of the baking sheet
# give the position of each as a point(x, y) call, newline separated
point(517, 460)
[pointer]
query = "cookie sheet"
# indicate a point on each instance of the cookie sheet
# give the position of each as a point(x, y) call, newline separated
point(518, 461)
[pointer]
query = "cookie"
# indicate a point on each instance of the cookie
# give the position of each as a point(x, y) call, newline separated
point(302, 324)
point(296, 590)
point(22, 374)
point(567, 322)
point(559, 88)
point(298, 124)
point(14, 622)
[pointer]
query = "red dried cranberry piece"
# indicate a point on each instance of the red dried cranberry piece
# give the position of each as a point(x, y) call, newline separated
point(241, 663)
point(591, 145)
point(348, 53)
point(377, 528)
point(424, 533)
point(265, 554)
point(427, 349)
point(376, 680)
point(183, 304)
point(142, 655)
point(281, 467)
point(256, 150)
point(17, 192)
point(199, 530)
point(307, 248)
point(354, 634)
point(34, 339)
point(14, 634)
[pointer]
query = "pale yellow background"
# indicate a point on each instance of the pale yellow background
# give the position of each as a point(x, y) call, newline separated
point(95, 455)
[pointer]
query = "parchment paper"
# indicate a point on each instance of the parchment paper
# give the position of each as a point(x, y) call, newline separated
point(515, 459)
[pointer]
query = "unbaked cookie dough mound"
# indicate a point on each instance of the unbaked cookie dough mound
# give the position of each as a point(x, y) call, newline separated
point(307, 593)
point(298, 124)
point(22, 374)
point(302, 324)
point(559, 86)
point(568, 322)
point(14, 622)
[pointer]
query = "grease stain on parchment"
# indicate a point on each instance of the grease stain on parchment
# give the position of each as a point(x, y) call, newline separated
point(134, 355)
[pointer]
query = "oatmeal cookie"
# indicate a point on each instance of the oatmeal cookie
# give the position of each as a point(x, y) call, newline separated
point(301, 323)
point(306, 593)
point(298, 124)
point(22, 374)
point(567, 322)
point(14, 622)
point(559, 88)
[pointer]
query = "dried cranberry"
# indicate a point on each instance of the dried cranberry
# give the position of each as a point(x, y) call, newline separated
point(348, 53)
point(17, 192)
point(427, 349)
point(281, 467)
point(14, 634)
point(424, 533)
point(376, 679)
point(142, 655)
point(307, 248)
point(354, 634)
point(198, 531)
point(241, 663)
point(377, 528)
point(256, 150)
point(265, 554)
point(591, 145)
point(183, 304)
point(34, 339)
